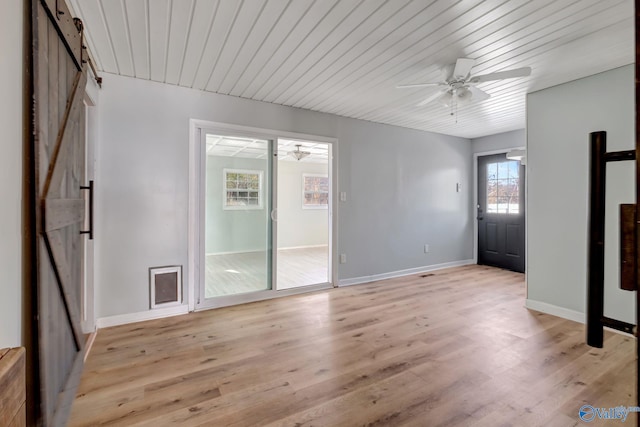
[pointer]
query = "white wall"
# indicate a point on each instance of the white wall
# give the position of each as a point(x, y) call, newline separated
point(559, 122)
point(11, 137)
point(400, 184)
point(297, 226)
point(500, 141)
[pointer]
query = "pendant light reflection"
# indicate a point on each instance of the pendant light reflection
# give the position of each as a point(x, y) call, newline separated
point(297, 154)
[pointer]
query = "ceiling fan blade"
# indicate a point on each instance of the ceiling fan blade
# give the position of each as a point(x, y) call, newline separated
point(478, 94)
point(419, 85)
point(432, 98)
point(463, 67)
point(509, 74)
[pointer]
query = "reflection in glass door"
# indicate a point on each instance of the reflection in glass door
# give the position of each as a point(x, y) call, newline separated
point(303, 200)
point(236, 247)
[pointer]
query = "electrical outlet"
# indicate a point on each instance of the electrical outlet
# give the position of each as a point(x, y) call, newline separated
point(343, 196)
point(343, 258)
point(426, 249)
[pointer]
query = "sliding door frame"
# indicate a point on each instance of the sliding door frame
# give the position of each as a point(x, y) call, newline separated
point(198, 128)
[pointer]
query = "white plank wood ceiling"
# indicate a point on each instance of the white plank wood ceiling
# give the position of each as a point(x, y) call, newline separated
point(345, 57)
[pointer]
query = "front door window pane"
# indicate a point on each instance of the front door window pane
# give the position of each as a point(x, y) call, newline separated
point(503, 187)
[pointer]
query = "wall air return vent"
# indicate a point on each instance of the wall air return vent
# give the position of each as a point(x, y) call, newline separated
point(165, 285)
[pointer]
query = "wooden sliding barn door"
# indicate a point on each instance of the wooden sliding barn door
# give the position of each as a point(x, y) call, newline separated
point(58, 174)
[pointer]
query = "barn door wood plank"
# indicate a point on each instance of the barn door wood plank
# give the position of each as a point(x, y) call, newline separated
point(41, 94)
point(45, 106)
point(60, 213)
point(63, 88)
point(67, 149)
point(48, 118)
point(73, 106)
point(51, 333)
point(64, 278)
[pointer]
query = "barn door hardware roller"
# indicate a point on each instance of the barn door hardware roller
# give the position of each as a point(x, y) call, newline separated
point(85, 55)
point(596, 321)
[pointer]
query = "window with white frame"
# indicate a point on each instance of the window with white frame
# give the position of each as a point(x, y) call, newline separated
point(242, 189)
point(315, 191)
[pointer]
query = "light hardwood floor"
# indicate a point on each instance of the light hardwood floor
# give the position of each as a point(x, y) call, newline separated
point(229, 274)
point(456, 348)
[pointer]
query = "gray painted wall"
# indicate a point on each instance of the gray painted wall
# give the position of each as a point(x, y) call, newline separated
point(500, 141)
point(233, 230)
point(400, 184)
point(559, 122)
point(11, 22)
point(401, 187)
point(297, 226)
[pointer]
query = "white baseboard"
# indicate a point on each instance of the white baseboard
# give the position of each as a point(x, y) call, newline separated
point(123, 319)
point(565, 313)
point(400, 273)
point(555, 310)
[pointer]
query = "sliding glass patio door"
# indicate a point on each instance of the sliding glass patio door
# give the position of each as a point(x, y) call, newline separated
point(236, 249)
point(264, 217)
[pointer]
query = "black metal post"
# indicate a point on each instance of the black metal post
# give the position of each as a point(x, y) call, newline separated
point(595, 269)
point(637, 223)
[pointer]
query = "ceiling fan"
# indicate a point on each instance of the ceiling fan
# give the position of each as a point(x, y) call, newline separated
point(458, 87)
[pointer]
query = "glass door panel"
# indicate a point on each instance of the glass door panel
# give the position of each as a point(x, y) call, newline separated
point(303, 198)
point(237, 220)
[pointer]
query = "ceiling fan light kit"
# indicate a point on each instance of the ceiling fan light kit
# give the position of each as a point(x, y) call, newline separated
point(459, 87)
